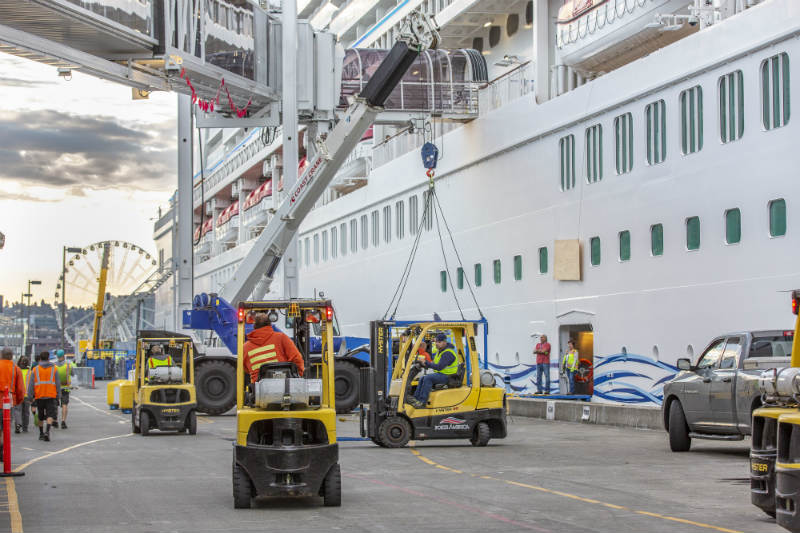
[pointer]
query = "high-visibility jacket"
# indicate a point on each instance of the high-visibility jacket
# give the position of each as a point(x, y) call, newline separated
point(571, 360)
point(450, 369)
point(44, 382)
point(265, 345)
point(11, 379)
point(64, 375)
point(154, 362)
point(25, 372)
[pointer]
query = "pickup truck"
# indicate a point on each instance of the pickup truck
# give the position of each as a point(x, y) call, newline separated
point(715, 398)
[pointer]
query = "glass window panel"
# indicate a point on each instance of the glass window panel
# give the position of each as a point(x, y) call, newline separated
point(733, 226)
point(624, 245)
point(777, 218)
point(460, 277)
point(693, 233)
point(343, 237)
point(657, 239)
point(478, 277)
point(543, 260)
point(497, 270)
point(517, 267)
point(594, 247)
point(443, 280)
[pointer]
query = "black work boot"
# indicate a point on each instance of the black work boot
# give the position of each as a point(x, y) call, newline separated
point(63, 425)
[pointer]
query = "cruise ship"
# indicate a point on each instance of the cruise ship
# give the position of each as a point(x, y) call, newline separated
point(621, 173)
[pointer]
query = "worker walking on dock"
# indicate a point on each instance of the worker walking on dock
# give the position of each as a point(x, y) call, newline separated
point(22, 412)
point(11, 381)
point(65, 371)
point(265, 345)
point(44, 388)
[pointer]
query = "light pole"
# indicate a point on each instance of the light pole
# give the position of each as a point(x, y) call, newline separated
point(28, 314)
point(63, 288)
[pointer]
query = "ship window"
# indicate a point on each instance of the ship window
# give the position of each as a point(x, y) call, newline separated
point(775, 91)
point(594, 153)
point(412, 215)
point(567, 148)
point(594, 247)
point(325, 245)
point(353, 236)
point(364, 232)
point(308, 250)
point(316, 247)
point(478, 277)
point(387, 224)
point(692, 120)
point(443, 280)
point(624, 245)
point(497, 270)
point(512, 24)
point(517, 267)
point(777, 218)
point(655, 114)
point(543, 260)
point(477, 44)
point(693, 233)
point(657, 239)
point(376, 227)
point(343, 237)
point(334, 242)
point(733, 226)
point(494, 36)
point(731, 106)
point(529, 13)
point(427, 210)
point(399, 209)
point(460, 277)
point(623, 137)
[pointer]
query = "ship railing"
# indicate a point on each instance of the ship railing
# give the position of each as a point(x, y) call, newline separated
point(228, 231)
point(504, 89)
point(258, 214)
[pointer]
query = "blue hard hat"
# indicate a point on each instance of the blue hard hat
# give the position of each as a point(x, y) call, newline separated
point(441, 337)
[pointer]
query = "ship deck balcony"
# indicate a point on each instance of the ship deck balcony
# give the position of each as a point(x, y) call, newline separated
point(257, 217)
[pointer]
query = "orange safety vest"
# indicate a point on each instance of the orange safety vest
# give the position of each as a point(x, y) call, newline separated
point(44, 386)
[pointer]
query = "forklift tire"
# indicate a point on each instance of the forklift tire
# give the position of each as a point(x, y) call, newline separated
point(679, 439)
point(242, 488)
point(191, 423)
point(771, 513)
point(332, 487)
point(134, 427)
point(216, 387)
point(481, 434)
point(144, 423)
point(378, 442)
point(394, 432)
point(346, 380)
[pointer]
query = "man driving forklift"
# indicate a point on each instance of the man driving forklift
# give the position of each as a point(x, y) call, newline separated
point(158, 358)
point(444, 364)
point(265, 345)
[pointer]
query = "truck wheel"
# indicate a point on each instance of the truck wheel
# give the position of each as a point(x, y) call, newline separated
point(679, 439)
point(394, 432)
point(144, 423)
point(216, 387)
point(191, 423)
point(347, 381)
point(134, 427)
point(242, 488)
point(481, 434)
point(332, 487)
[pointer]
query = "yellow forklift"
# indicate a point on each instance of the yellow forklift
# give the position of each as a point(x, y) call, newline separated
point(469, 406)
point(286, 423)
point(164, 396)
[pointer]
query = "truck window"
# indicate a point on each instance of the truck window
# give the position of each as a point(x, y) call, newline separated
point(730, 357)
point(772, 345)
point(712, 355)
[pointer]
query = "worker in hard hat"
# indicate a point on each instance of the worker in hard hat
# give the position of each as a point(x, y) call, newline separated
point(444, 365)
point(65, 372)
point(265, 345)
point(44, 388)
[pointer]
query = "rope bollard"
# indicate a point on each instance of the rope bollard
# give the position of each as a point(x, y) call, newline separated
point(7, 438)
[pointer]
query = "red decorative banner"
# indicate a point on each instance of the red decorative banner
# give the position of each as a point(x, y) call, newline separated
point(208, 105)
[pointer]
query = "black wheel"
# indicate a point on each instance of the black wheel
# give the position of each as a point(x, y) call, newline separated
point(191, 423)
point(394, 432)
point(346, 380)
point(134, 427)
point(679, 439)
point(481, 434)
point(144, 423)
point(770, 513)
point(378, 442)
point(216, 387)
point(332, 487)
point(242, 488)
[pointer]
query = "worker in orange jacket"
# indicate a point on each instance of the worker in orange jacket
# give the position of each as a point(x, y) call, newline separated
point(44, 388)
point(265, 345)
point(10, 380)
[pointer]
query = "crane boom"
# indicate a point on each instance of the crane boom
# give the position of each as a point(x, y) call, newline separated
point(101, 296)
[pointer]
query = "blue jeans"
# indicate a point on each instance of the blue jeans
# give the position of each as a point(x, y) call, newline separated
point(571, 381)
point(543, 369)
point(426, 384)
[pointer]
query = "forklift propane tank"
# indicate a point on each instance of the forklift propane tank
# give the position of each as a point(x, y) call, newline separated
point(488, 379)
point(165, 374)
point(780, 385)
point(298, 391)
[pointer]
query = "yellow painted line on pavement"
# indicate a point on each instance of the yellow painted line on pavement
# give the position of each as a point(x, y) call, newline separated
point(35, 460)
point(13, 506)
point(424, 459)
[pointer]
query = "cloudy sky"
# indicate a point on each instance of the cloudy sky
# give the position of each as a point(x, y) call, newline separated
point(80, 162)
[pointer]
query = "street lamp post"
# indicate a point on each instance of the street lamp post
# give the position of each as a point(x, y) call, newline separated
point(28, 314)
point(63, 287)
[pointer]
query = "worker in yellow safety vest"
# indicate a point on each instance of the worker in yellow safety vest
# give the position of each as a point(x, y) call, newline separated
point(569, 365)
point(445, 365)
point(65, 371)
point(22, 412)
point(158, 358)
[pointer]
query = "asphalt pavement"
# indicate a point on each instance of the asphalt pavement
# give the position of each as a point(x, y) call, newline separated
point(546, 476)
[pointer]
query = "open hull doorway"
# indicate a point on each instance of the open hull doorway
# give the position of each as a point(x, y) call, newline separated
point(583, 337)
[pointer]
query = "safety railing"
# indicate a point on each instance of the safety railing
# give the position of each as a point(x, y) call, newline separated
point(84, 377)
point(134, 14)
point(506, 88)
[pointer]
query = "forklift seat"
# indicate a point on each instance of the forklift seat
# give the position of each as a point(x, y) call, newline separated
point(455, 381)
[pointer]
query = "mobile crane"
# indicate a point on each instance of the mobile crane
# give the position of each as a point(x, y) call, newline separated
point(216, 374)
